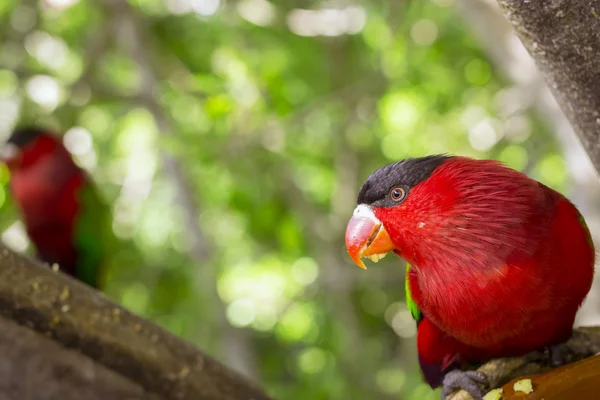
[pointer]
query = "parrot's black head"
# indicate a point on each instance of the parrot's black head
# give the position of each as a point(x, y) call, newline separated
point(24, 135)
point(27, 145)
point(403, 174)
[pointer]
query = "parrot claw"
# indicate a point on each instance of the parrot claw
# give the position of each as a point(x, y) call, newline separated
point(536, 356)
point(555, 355)
point(558, 355)
point(470, 381)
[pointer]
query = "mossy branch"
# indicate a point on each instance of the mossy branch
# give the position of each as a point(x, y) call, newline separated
point(66, 337)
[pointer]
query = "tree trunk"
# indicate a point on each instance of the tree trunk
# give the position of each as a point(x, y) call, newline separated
point(563, 37)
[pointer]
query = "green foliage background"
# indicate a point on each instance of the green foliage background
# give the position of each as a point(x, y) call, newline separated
point(266, 136)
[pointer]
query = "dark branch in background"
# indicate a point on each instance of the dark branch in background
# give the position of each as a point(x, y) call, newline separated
point(337, 281)
point(62, 339)
point(563, 37)
point(131, 35)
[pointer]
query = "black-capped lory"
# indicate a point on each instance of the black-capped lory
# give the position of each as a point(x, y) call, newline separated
point(497, 263)
point(64, 216)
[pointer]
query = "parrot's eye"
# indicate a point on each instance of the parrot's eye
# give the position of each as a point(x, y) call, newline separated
point(397, 194)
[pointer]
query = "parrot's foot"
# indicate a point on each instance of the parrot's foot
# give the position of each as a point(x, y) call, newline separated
point(558, 355)
point(555, 355)
point(470, 381)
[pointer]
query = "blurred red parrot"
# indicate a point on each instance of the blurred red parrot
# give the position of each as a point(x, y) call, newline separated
point(64, 216)
point(497, 263)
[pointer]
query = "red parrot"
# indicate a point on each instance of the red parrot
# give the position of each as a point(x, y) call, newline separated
point(64, 216)
point(497, 263)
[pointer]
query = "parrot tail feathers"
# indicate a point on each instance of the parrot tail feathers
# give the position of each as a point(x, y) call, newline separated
point(434, 373)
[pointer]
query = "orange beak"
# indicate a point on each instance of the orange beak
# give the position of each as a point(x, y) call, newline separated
point(367, 237)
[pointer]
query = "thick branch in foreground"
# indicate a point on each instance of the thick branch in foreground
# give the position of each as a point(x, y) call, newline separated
point(580, 374)
point(563, 37)
point(573, 381)
point(60, 338)
point(35, 367)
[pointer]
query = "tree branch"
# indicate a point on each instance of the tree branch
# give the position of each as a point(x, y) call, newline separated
point(44, 360)
point(582, 379)
point(584, 343)
point(73, 336)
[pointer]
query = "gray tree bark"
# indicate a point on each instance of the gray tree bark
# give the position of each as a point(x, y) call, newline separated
point(61, 339)
point(563, 37)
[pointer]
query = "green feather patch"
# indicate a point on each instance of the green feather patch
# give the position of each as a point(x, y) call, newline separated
point(410, 303)
point(584, 224)
point(92, 236)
